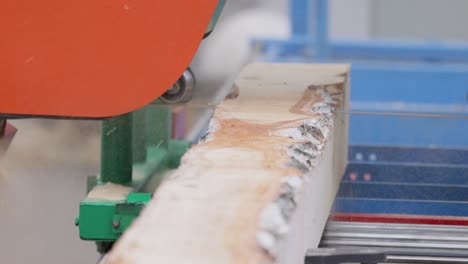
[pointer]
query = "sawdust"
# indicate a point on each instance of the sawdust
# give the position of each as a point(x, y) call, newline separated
point(38, 141)
point(109, 192)
point(304, 105)
point(234, 93)
point(312, 134)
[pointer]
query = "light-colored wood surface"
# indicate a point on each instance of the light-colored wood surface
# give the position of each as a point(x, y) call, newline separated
point(259, 188)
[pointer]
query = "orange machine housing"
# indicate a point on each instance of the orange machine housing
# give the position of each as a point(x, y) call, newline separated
point(94, 58)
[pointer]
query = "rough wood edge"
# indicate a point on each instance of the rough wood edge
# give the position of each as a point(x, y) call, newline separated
point(276, 217)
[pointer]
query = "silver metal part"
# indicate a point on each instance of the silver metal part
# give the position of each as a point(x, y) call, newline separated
point(181, 91)
point(343, 255)
point(403, 243)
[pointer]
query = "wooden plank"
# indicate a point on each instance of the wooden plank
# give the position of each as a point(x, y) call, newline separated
point(260, 185)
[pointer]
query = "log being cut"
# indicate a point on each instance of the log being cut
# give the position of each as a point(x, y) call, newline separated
point(259, 186)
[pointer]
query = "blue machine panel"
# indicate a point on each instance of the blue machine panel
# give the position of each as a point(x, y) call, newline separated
point(408, 207)
point(434, 84)
point(378, 130)
point(402, 180)
point(405, 156)
point(404, 191)
point(394, 172)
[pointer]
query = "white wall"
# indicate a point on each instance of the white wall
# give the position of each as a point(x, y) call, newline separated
point(420, 19)
point(223, 54)
point(350, 19)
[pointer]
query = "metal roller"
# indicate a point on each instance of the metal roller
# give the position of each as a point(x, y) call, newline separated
point(403, 243)
point(181, 91)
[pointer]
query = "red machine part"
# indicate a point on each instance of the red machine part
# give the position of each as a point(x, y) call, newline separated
point(399, 219)
point(95, 58)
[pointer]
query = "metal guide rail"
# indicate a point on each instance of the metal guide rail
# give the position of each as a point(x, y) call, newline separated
point(402, 243)
point(407, 203)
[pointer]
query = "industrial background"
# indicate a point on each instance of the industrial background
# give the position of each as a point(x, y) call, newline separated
point(42, 179)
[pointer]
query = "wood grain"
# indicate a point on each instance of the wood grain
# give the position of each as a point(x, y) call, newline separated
point(260, 185)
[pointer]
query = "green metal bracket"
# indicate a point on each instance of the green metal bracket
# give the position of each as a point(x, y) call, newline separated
point(127, 212)
point(116, 150)
point(146, 135)
point(105, 220)
point(136, 149)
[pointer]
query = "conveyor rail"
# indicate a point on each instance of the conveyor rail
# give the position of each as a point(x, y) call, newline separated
point(403, 243)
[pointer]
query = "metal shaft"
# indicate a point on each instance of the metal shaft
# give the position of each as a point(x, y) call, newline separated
point(139, 135)
point(159, 126)
point(403, 243)
point(2, 127)
point(116, 150)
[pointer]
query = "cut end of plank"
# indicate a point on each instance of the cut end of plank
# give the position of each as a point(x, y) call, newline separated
point(109, 192)
point(259, 187)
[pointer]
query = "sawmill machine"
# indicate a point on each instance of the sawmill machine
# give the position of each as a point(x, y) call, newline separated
point(114, 61)
point(121, 62)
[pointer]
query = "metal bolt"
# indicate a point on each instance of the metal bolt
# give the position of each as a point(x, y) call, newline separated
point(115, 224)
point(181, 91)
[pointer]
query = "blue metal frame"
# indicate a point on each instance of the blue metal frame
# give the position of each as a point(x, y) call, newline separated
point(310, 27)
point(401, 50)
point(387, 76)
point(409, 207)
point(375, 130)
point(313, 35)
point(398, 164)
